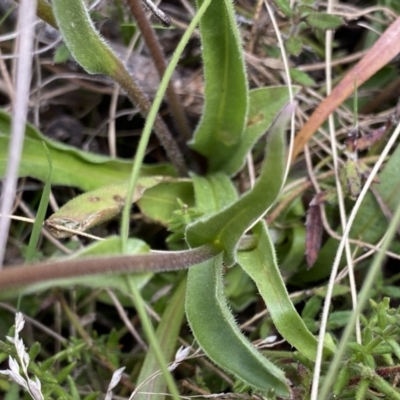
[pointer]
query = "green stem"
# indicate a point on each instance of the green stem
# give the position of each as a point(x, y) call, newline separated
point(127, 83)
point(152, 117)
point(151, 336)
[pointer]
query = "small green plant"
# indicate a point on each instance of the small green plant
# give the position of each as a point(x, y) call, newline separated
point(214, 233)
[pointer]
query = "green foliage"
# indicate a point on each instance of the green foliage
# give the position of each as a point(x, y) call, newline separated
point(323, 21)
point(261, 265)
point(149, 381)
point(250, 261)
point(70, 166)
point(215, 330)
point(294, 46)
point(226, 227)
point(81, 38)
point(226, 93)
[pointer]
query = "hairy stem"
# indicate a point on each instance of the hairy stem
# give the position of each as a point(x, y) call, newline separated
point(164, 135)
point(17, 276)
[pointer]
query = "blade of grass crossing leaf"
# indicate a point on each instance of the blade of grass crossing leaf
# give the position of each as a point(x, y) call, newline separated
point(151, 117)
point(215, 329)
point(226, 93)
point(261, 265)
point(227, 226)
point(151, 336)
point(167, 334)
point(41, 213)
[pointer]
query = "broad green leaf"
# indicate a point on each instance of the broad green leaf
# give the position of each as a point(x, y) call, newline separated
point(82, 39)
point(226, 94)
point(291, 253)
point(265, 104)
point(159, 202)
point(71, 166)
point(110, 246)
point(324, 21)
point(262, 266)
point(216, 331)
point(97, 206)
point(239, 289)
point(150, 384)
point(226, 227)
point(294, 45)
point(213, 192)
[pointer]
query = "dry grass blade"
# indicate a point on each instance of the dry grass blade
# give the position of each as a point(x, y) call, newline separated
point(381, 53)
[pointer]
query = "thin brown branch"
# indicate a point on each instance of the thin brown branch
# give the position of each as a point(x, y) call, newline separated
point(159, 62)
point(20, 275)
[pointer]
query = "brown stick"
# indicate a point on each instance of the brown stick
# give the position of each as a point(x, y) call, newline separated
point(21, 275)
point(159, 62)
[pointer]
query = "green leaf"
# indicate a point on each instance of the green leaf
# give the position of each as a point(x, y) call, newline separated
point(213, 192)
point(218, 335)
point(45, 12)
point(262, 266)
point(65, 372)
point(312, 308)
point(226, 227)
point(73, 390)
point(292, 252)
point(71, 167)
point(239, 289)
point(159, 202)
point(167, 335)
point(284, 6)
point(294, 45)
point(62, 54)
point(226, 93)
point(92, 396)
point(324, 21)
point(301, 77)
point(265, 105)
point(96, 206)
point(338, 319)
point(82, 39)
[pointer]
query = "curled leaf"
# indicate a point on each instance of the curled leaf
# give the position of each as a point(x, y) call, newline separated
point(217, 333)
